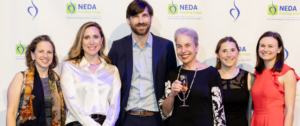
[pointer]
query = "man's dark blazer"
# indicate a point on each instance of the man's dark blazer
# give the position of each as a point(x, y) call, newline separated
point(163, 60)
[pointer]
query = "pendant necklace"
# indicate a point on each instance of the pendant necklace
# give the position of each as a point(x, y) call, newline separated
point(191, 83)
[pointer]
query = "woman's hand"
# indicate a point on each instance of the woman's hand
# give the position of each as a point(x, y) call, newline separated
point(168, 104)
point(176, 88)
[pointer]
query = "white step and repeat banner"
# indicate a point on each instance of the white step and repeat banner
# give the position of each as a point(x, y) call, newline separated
point(246, 21)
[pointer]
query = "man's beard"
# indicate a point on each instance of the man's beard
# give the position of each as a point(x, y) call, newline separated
point(134, 29)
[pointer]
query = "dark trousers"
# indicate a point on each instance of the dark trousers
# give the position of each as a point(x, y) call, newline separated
point(135, 120)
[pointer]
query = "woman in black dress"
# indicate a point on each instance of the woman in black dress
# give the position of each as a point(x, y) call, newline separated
point(236, 84)
point(204, 93)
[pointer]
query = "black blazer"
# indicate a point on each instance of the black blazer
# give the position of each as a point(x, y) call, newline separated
point(163, 60)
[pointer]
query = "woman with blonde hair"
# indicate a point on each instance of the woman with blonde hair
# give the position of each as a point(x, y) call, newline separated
point(34, 95)
point(91, 85)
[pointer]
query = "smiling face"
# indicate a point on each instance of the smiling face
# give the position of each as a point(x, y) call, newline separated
point(268, 49)
point(43, 55)
point(186, 49)
point(228, 54)
point(140, 23)
point(92, 41)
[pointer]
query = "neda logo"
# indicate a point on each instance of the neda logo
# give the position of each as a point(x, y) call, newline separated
point(20, 49)
point(71, 8)
point(235, 17)
point(282, 10)
point(272, 9)
point(79, 8)
point(34, 8)
point(183, 9)
point(172, 8)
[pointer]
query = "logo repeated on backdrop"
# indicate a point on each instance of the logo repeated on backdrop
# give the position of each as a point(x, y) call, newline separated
point(283, 12)
point(235, 9)
point(20, 49)
point(71, 8)
point(184, 11)
point(272, 9)
point(244, 55)
point(286, 53)
point(173, 8)
point(76, 10)
point(32, 10)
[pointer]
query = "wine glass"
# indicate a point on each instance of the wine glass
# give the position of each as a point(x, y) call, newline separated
point(184, 81)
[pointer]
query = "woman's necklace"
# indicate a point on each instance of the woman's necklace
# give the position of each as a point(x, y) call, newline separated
point(96, 64)
point(191, 83)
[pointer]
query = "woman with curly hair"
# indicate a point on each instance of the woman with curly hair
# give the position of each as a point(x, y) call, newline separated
point(34, 96)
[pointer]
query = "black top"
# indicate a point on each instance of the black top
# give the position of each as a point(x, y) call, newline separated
point(200, 100)
point(236, 96)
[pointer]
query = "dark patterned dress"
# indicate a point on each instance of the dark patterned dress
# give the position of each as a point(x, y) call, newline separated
point(205, 99)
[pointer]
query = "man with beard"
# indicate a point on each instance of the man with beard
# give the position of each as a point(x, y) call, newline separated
point(143, 60)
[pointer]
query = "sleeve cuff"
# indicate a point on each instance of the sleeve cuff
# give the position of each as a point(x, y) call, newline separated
point(165, 96)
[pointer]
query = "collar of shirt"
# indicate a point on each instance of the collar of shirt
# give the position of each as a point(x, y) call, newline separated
point(149, 40)
point(84, 63)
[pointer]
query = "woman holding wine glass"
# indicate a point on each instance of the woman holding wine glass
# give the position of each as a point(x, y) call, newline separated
point(200, 102)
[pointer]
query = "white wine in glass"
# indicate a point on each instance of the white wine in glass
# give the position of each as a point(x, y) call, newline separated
point(184, 81)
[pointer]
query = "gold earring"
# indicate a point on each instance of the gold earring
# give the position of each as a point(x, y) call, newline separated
point(32, 62)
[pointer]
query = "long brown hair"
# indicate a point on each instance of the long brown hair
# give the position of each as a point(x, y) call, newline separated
point(223, 40)
point(260, 66)
point(76, 52)
point(31, 48)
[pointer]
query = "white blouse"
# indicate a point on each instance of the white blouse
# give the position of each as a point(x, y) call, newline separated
point(87, 93)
